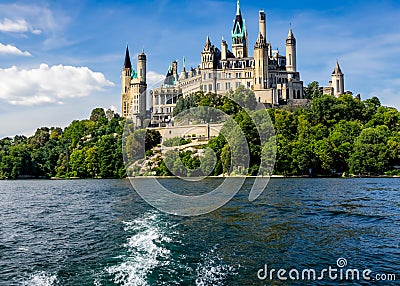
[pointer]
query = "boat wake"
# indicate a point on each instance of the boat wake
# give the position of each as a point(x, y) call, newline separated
point(41, 279)
point(212, 270)
point(146, 250)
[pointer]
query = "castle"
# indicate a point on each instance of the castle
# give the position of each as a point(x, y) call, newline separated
point(273, 77)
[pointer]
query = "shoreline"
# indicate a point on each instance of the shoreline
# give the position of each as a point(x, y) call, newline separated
point(211, 177)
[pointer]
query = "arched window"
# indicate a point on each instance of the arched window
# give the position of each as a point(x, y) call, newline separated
point(298, 94)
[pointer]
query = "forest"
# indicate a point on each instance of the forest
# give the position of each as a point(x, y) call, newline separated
point(331, 137)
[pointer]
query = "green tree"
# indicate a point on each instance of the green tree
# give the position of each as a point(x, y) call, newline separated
point(208, 161)
point(244, 97)
point(312, 90)
point(370, 154)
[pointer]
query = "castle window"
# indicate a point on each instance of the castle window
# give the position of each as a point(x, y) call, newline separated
point(209, 75)
point(248, 84)
point(210, 87)
point(294, 94)
point(259, 99)
point(205, 77)
point(218, 86)
point(298, 94)
point(228, 86)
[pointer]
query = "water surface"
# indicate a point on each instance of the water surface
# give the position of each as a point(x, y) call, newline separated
point(100, 232)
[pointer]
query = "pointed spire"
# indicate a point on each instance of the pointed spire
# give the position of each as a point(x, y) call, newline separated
point(207, 46)
point(238, 8)
point(127, 63)
point(290, 40)
point(290, 34)
point(184, 64)
point(337, 70)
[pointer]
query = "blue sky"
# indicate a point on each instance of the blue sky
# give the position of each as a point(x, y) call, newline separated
point(61, 59)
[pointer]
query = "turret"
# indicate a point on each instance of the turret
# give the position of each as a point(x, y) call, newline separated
point(208, 55)
point(175, 70)
point(126, 85)
point(261, 57)
point(291, 52)
point(337, 81)
point(224, 50)
point(126, 71)
point(142, 67)
point(183, 74)
point(239, 35)
point(262, 25)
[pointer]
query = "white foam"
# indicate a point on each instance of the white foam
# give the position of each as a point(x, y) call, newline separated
point(145, 250)
point(41, 279)
point(212, 270)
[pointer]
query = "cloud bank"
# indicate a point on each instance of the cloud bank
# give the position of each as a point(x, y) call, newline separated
point(49, 85)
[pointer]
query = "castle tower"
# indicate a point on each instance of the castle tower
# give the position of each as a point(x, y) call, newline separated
point(262, 24)
point(261, 57)
point(134, 89)
point(239, 35)
point(140, 88)
point(175, 70)
point(126, 83)
point(142, 67)
point(291, 52)
point(207, 55)
point(224, 50)
point(337, 81)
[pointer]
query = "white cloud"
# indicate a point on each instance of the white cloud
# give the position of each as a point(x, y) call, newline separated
point(12, 50)
point(17, 26)
point(154, 79)
point(49, 85)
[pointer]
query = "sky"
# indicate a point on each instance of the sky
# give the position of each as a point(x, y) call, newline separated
point(61, 59)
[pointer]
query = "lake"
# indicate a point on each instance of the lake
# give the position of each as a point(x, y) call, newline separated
point(100, 232)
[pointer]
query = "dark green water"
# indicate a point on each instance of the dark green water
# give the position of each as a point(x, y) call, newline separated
point(100, 232)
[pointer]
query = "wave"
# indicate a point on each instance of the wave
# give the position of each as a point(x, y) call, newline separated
point(146, 250)
point(41, 279)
